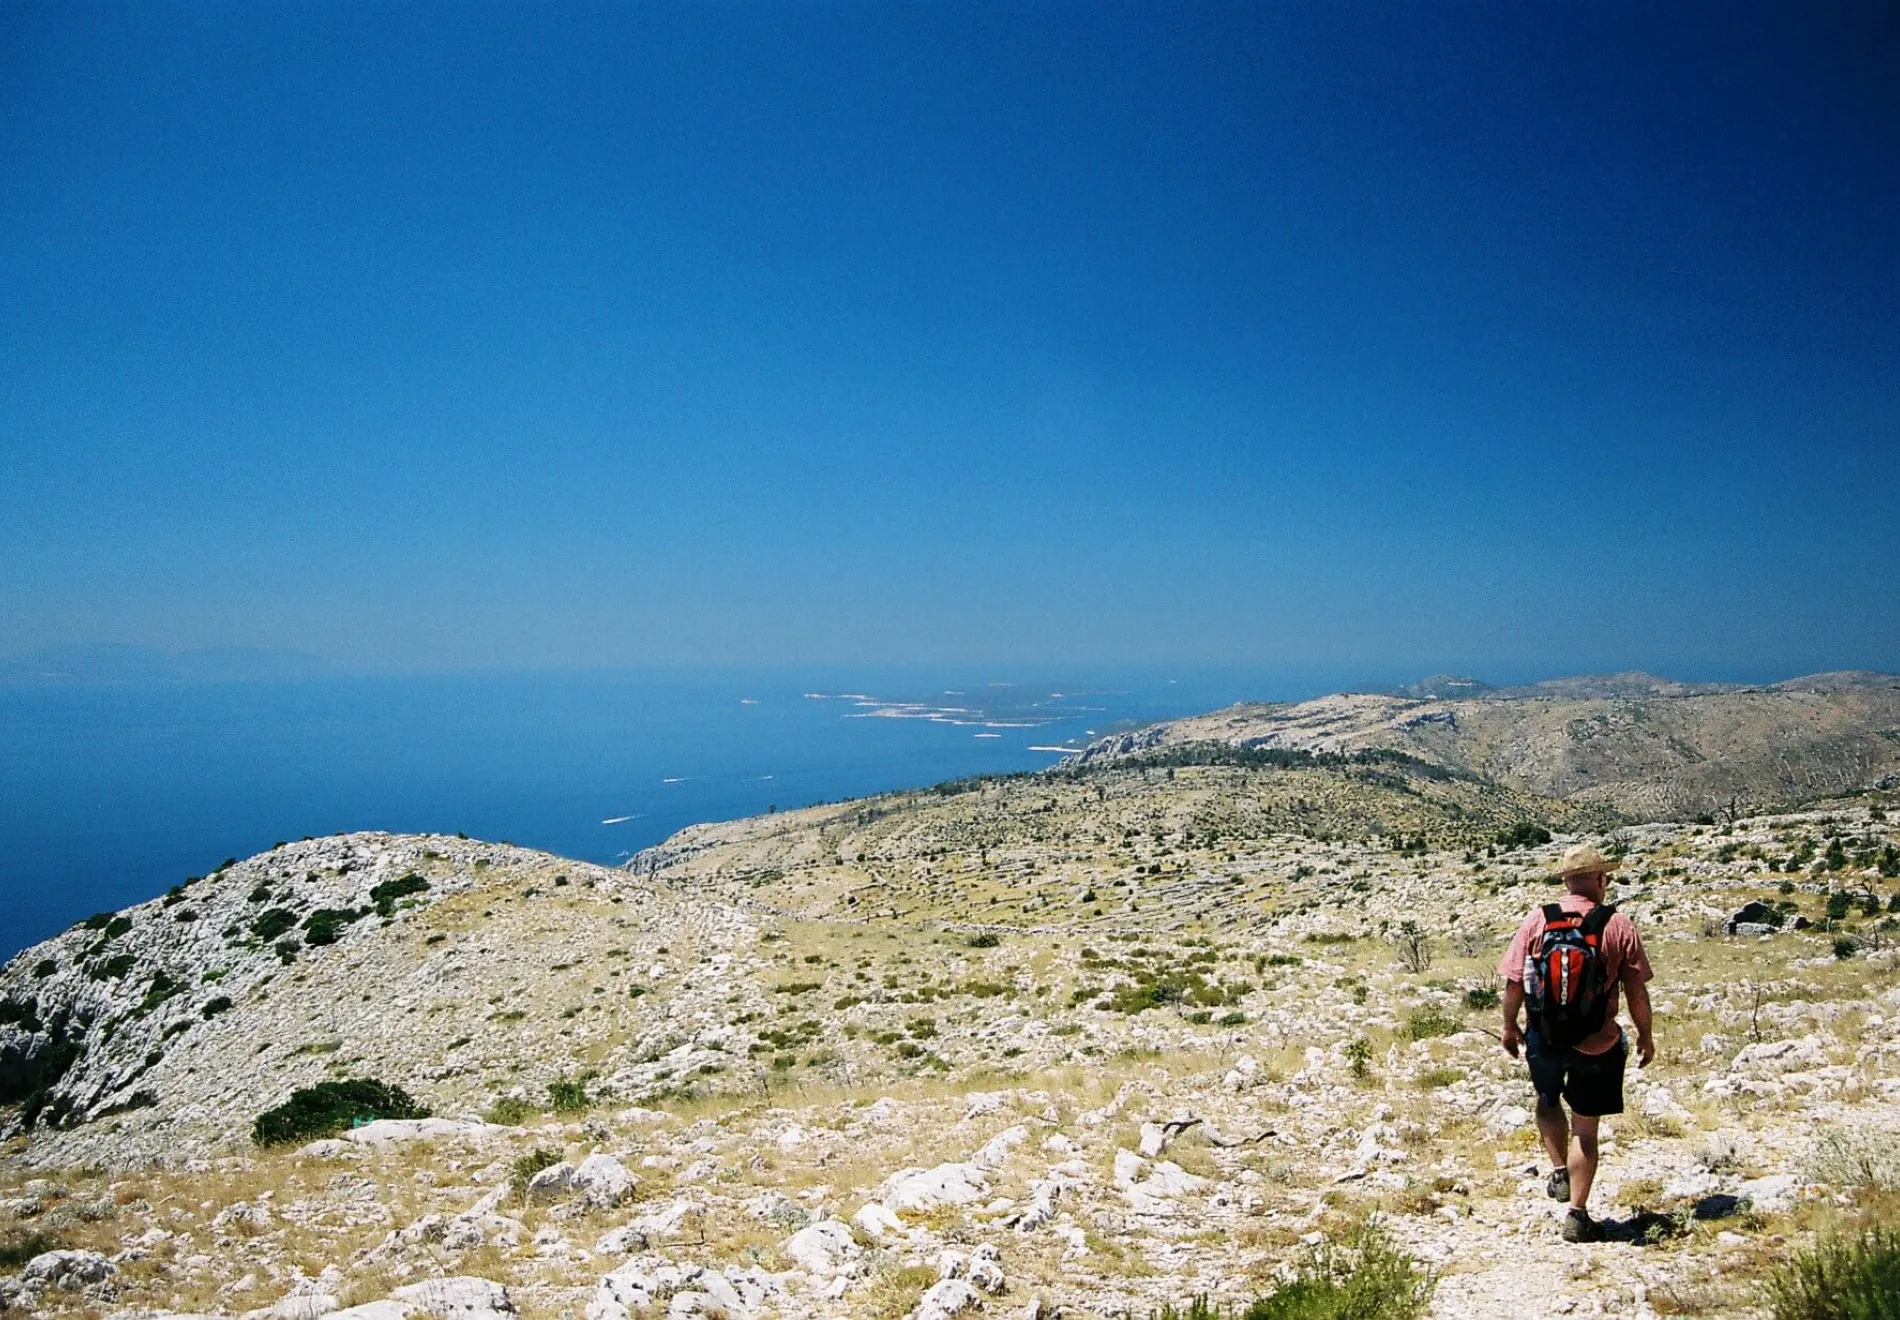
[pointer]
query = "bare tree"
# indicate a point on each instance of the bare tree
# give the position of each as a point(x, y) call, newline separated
point(1414, 946)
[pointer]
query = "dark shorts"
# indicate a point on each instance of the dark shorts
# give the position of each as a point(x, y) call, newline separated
point(1592, 1084)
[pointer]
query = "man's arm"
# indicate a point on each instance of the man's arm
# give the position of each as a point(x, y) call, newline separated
point(1640, 1014)
point(1513, 1036)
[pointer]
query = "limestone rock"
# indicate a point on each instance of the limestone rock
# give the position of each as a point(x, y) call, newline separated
point(919, 1191)
point(824, 1249)
point(458, 1297)
point(603, 1181)
point(946, 1298)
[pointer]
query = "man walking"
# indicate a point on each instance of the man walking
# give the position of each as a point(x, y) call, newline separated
point(1567, 963)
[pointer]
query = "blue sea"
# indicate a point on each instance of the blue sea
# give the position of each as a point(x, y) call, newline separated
point(113, 792)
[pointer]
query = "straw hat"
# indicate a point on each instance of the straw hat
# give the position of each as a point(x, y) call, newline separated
point(1583, 858)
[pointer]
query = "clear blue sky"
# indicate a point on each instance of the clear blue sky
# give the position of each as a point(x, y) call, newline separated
point(1548, 338)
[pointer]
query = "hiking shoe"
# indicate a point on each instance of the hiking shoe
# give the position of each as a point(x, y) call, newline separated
point(1557, 1186)
point(1579, 1227)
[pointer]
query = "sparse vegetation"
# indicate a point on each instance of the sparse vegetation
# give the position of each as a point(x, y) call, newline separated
point(1841, 1278)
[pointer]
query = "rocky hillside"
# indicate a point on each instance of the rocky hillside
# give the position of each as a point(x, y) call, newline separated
point(1084, 1043)
point(1640, 747)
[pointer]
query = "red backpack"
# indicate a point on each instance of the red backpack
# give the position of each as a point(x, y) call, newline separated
point(1566, 980)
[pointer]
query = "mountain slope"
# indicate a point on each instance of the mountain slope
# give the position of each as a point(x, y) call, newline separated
point(1650, 750)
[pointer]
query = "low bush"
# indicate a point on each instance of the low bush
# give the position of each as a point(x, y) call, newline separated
point(216, 1006)
point(386, 894)
point(1855, 1278)
point(509, 1111)
point(1480, 997)
point(1524, 834)
point(984, 940)
point(1855, 1157)
point(568, 1095)
point(325, 924)
point(112, 968)
point(1365, 1279)
point(1425, 1023)
point(273, 922)
point(328, 1108)
point(15, 1252)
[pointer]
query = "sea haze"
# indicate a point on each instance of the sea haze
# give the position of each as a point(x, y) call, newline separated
point(112, 792)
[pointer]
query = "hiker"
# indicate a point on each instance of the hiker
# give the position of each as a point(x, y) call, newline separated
point(1566, 963)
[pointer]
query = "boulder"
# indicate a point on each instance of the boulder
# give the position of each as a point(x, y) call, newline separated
point(385, 1132)
point(458, 1297)
point(664, 1223)
point(824, 1249)
point(1774, 1056)
point(555, 1180)
point(297, 1306)
point(603, 1181)
point(986, 1269)
point(995, 1152)
point(877, 1222)
point(947, 1298)
point(919, 1191)
point(70, 1271)
point(383, 1310)
point(1773, 1195)
point(687, 1290)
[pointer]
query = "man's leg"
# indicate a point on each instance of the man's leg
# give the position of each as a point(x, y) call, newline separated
point(1583, 1158)
point(1555, 1131)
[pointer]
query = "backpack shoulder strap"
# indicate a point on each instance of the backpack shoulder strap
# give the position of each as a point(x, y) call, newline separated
point(1554, 913)
point(1599, 918)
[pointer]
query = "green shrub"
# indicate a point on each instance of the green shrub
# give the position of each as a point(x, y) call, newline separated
point(1424, 1023)
point(568, 1095)
point(1524, 834)
point(384, 896)
point(1854, 1278)
point(325, 924)
point(1359, 1055)
point(15, 1252)
point(984, 940)
point(1480, 997)
point(45, 967)
point(215, 1006)
point(161, 988)
point(1846, 947)
point(112, 968)
point(328, 1108)
point(273, 922)
point(509, 1111)
point(1366, 1279)
point(1197, 1309)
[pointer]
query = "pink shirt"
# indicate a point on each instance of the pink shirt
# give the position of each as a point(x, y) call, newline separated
point(1623, 958)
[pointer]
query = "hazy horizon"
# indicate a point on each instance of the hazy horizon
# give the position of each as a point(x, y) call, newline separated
point(111, 662)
